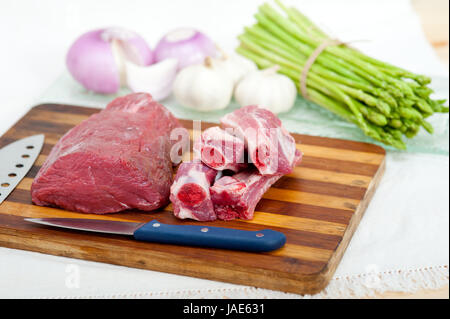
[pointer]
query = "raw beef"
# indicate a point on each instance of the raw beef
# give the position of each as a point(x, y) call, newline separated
point(236, 196)
point(220, 150)
point(115, 160)
point(270, 147)
point(189, 193)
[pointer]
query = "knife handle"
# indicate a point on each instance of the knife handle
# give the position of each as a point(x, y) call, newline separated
point(208, 236)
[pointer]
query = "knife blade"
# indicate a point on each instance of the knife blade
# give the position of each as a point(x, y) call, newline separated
point(16, 159)
point(191, 235)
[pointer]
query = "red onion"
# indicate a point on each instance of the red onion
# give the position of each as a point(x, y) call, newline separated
point(187, 45)
point(96, 58)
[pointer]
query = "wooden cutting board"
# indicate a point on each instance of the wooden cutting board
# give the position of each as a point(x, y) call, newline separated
point(317, 207)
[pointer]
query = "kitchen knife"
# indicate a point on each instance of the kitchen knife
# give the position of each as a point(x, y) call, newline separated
point(190, 235)
point(16, 159)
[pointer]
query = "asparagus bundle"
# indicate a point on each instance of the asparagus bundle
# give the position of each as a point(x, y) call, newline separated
point(385, 101)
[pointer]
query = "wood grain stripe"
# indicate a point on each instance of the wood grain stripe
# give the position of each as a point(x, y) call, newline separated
point(60, 118)
point(277, 207)
point(34, 211)
point(341, 154)
point(341, 216)
point(43, 126)
point(339, 143)
point(283, 221)
point(305, 185)
point(25, 184)
point(302, 172)
point(290, 222)
point(40, 160)
point(311, 199)
point(276, 194)
point(318, 187)
point(339, 166)
point(63, 108)
point(304, 253)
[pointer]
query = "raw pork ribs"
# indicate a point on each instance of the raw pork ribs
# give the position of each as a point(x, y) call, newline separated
point(271, 148)
point(189, 193)
point(220, 150)
point(252, 130)
point(236, 196)
point(115, 160)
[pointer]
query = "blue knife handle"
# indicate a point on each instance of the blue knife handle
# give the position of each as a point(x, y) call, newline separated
point(208, 236)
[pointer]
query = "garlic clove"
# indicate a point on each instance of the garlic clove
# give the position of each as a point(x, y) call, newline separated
point(156, 79)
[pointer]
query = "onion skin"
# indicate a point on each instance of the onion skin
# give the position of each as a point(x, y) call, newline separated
point(188, 51)
point(92, 62)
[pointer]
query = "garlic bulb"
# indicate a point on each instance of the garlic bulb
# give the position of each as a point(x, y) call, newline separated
point(267, 89)
point(203, 87)
point(235, 66)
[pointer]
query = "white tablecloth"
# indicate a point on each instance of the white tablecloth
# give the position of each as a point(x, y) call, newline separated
point(402, 242)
